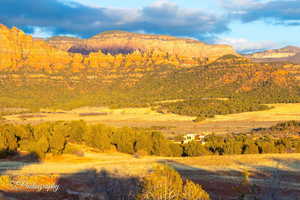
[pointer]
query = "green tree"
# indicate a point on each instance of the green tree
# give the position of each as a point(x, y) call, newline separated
point(8, 140)
point(58, 137)
point(195, 149)
point(250, 148)
point(144, 143)
point(78, 130)
point(98, 136)
point(40, 147)
point(267, 147)
point(233, 147)
point(124, 139)
point(297, 147)
point(161, 146)
point(176, 150)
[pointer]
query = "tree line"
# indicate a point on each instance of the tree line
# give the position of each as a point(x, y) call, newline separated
point(209, 108)
point(58, 137)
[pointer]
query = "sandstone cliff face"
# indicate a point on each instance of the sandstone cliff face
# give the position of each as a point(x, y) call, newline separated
point(21, 52)
point(115, 42)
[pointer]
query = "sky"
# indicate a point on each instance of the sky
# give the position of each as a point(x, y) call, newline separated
point(247, 25)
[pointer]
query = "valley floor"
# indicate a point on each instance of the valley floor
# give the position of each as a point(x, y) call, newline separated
point(167, 123)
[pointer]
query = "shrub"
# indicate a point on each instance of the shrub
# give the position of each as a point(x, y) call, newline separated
point(199, 119)
point(73, 149)
point(164, 183)
point(192, 191)
point(140, 153)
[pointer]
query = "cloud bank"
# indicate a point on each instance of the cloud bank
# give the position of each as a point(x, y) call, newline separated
point(284, 12)
point(245, 46)
point(45, 18)
point(67, 17)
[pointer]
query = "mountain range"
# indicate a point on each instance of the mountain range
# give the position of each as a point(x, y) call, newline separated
point(22, 52)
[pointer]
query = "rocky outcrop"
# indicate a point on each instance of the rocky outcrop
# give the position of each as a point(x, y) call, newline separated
point(286, 54)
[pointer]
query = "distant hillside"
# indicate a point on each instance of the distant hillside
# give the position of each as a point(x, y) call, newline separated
point(287, 54)
point(35, 74)
point(229, 77)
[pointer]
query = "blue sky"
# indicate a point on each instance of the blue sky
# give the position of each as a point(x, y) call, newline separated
point(248, 25)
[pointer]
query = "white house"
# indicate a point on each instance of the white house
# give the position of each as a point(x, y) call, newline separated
point(193, 137)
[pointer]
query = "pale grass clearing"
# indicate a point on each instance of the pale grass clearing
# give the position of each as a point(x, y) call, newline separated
point(289, 162)
point(280, 112)
point(125, 114)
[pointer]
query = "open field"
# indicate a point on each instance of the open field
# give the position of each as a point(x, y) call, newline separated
point(169, 123)
point(218, 174)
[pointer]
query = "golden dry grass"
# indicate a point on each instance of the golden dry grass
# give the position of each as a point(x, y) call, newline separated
point(243, 162)
point(209, 168)
point(129, 165)
point(280, 112)
point(139, 114)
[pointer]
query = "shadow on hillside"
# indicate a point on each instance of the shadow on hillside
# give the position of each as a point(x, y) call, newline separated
point(11, 161)
point(265, 183)
point(85, 185)
point(293, 164)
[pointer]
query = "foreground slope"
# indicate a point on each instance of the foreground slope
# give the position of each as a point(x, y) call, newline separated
point(221, 177)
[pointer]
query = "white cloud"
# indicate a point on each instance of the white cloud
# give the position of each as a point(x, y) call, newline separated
point(65, 16)
point(89, 3)
point(238, 4)
point(160, 3)
point(41, 32)
point(242, 4)
point(243, 45)
point(46, 32)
